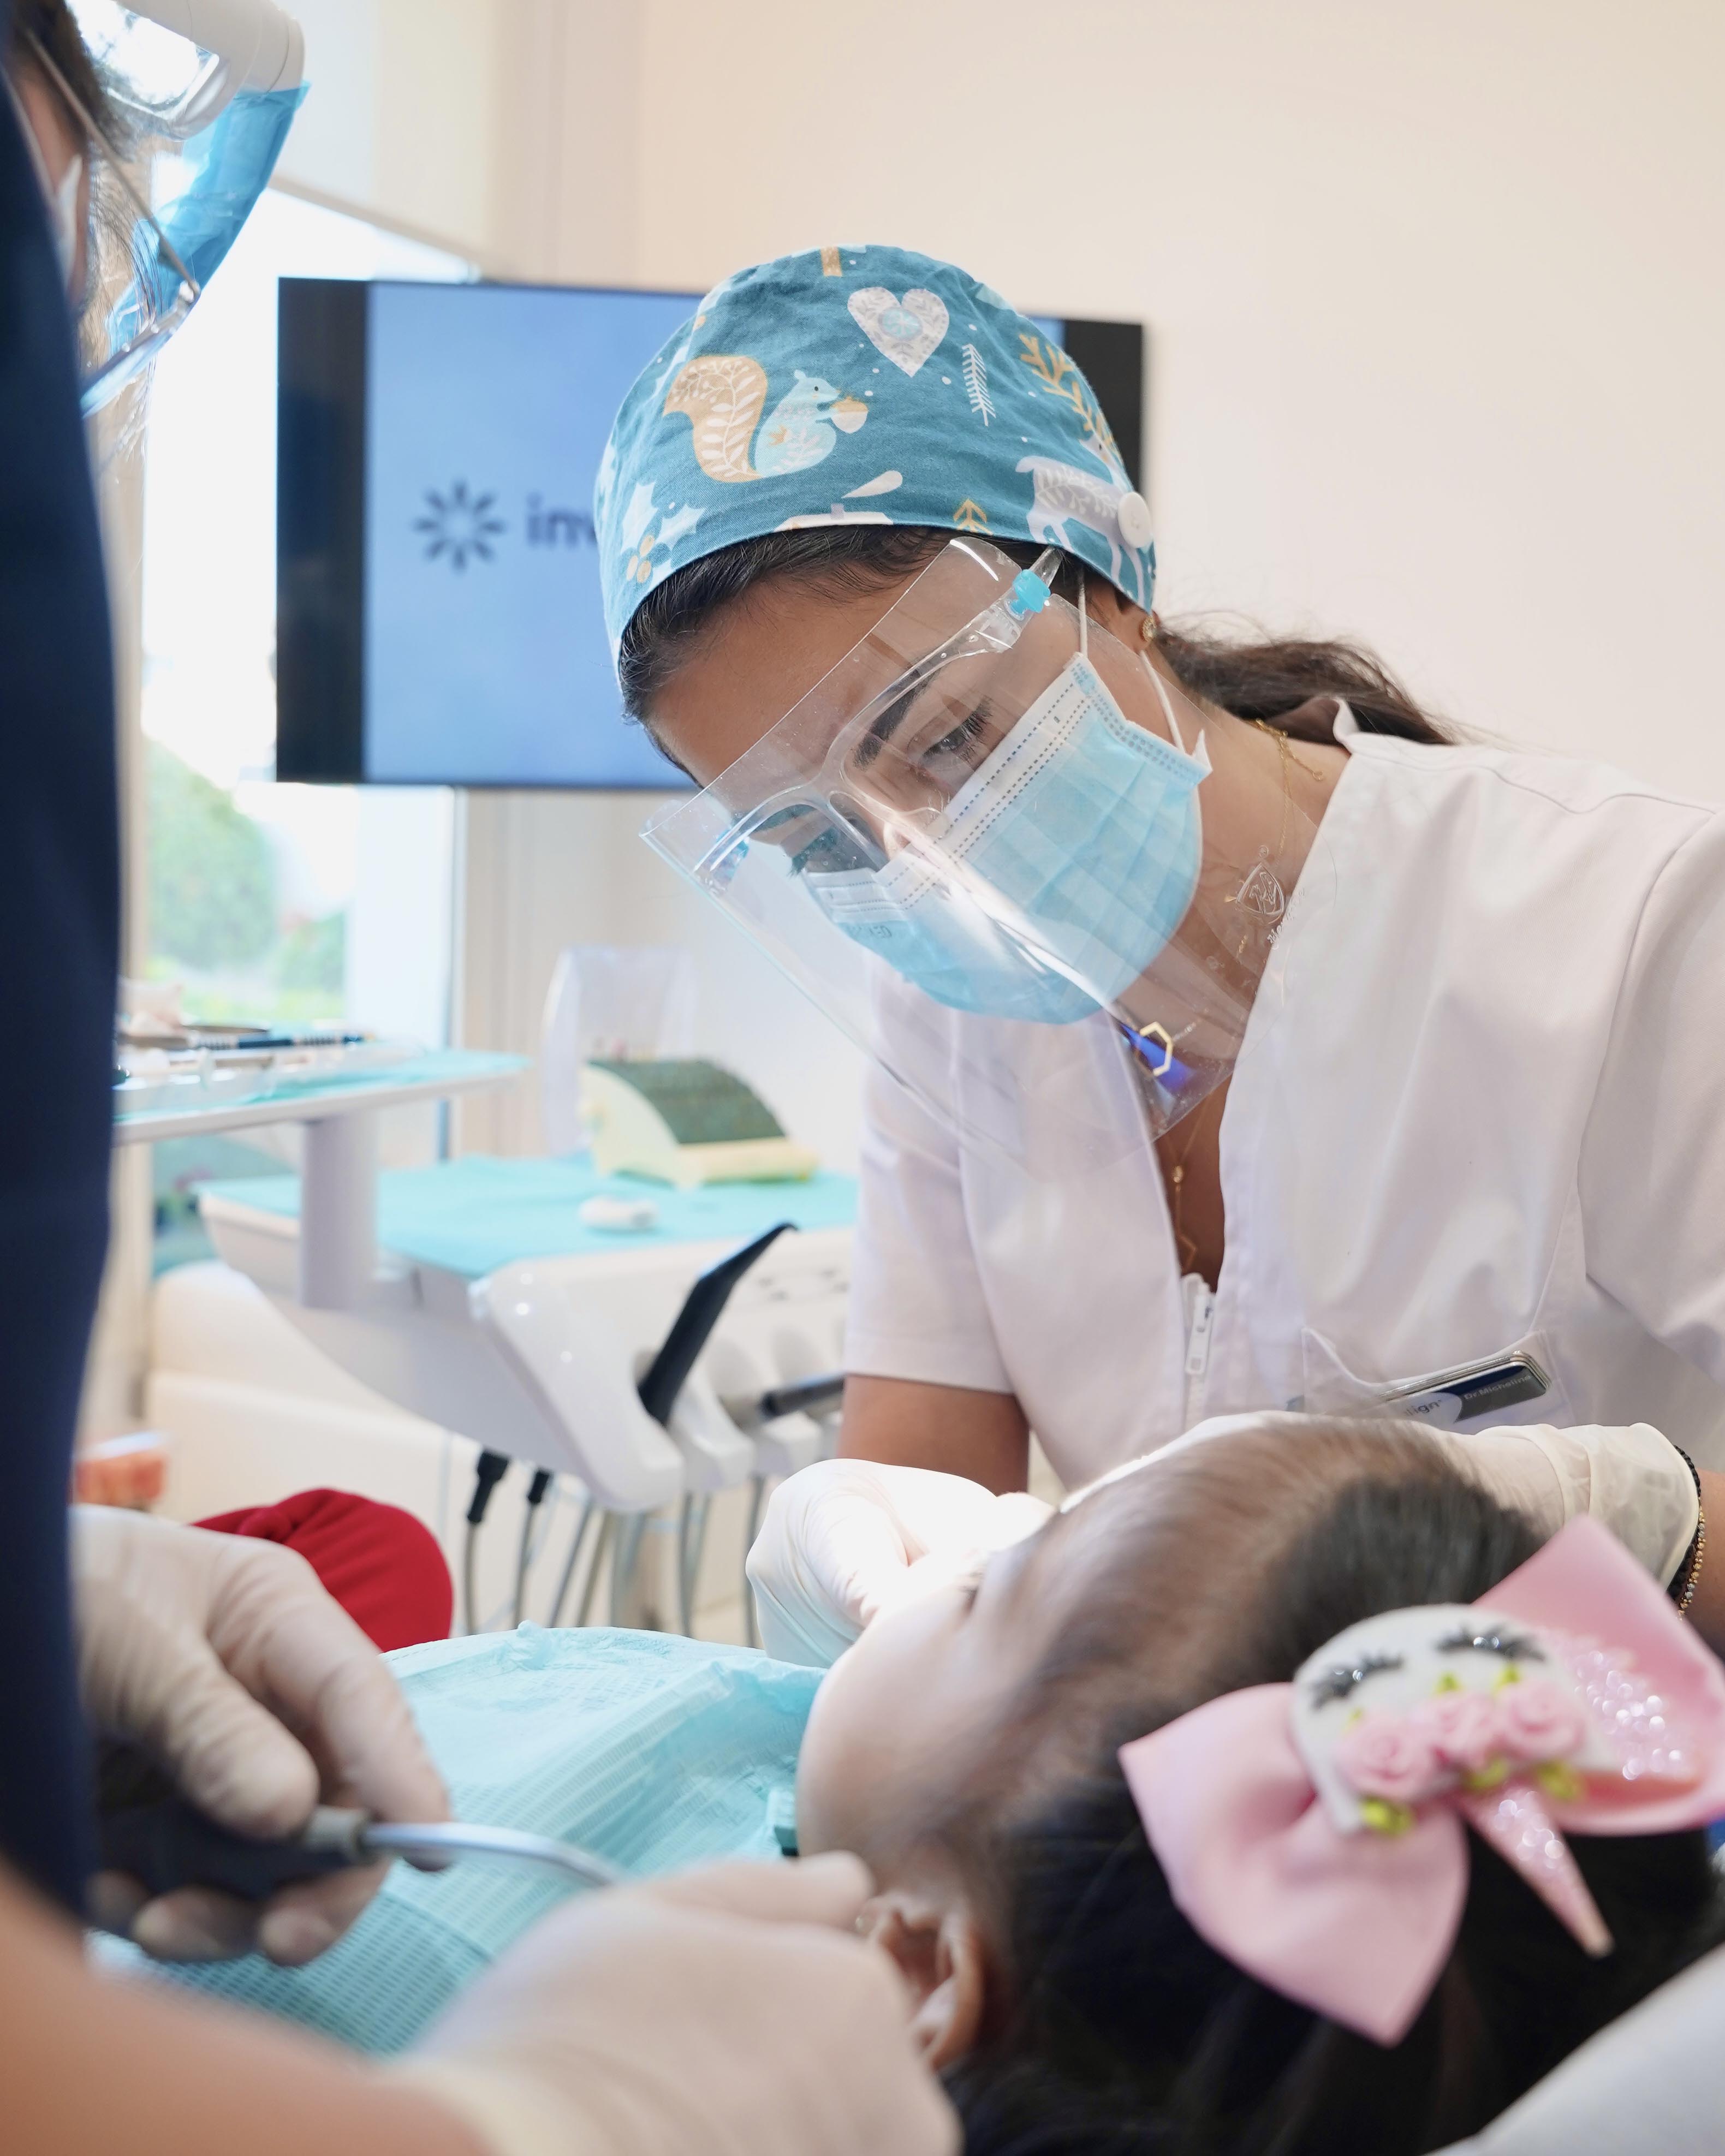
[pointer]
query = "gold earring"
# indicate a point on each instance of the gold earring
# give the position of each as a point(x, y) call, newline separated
point(1150, 629)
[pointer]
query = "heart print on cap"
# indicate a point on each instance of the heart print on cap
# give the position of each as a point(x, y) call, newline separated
point(904, 330)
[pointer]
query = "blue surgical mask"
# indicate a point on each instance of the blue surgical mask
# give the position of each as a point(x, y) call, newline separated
point(935, 934)
point(1076, 846)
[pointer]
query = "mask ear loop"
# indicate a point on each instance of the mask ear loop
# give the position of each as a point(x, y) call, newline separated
point(1166, 702)
point(1156, 680)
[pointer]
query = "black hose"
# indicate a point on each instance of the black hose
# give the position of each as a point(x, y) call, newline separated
point(693, 1326)
point(812, 1396)
point(524, 1557)
point(488, 1472)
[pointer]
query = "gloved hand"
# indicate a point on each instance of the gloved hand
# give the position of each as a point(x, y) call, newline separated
point(1627, 1476)
point(730, 2012)
point(846, 1539)
point(226, 1660)
point(1630, 1478)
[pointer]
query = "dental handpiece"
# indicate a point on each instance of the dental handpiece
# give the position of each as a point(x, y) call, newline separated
point(434, 1844)
point(168, 1843)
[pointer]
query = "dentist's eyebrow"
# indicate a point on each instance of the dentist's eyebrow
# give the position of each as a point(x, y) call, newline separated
point(869, 748)
point(882, 729)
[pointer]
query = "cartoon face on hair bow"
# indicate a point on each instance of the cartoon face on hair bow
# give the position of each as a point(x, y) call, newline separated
point(1315, 1833)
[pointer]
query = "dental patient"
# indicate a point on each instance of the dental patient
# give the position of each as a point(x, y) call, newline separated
point(1198, 1829)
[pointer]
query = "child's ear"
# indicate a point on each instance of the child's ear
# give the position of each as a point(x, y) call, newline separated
point(939, 1952)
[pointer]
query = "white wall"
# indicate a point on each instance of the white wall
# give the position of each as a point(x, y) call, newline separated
point(1434, 298)
point(1433, 293)
point(506, 128)
point(404, 114)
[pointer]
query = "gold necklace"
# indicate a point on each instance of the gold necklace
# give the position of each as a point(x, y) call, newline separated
point(1287, 747)
point(1285, 756)
point(1185, 1246)
point(1262, 898)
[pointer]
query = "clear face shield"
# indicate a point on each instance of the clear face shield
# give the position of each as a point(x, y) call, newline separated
point(204, 92)
point(990, 806)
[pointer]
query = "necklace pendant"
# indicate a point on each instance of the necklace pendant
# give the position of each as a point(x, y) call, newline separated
point(1262, 895)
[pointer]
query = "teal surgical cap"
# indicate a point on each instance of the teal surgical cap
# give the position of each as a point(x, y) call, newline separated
point(857, 385)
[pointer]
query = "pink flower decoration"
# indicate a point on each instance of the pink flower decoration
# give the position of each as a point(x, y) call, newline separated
point(1386, 1755)
point(1465, 1726)
point(1540, 1721)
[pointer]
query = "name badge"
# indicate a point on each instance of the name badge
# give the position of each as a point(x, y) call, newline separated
point(1476, 1394)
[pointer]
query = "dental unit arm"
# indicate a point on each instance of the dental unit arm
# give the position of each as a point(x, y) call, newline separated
point(251, 44)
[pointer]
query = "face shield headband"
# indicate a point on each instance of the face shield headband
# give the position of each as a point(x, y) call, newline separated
point(212, 116)
point(976, 811)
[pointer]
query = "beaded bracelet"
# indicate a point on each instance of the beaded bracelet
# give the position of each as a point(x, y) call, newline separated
point(1687, 1576)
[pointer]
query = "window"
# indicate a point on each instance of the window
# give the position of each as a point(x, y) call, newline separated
point(272, 904)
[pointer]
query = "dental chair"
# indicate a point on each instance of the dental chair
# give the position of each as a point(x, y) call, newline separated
point(561, 1358)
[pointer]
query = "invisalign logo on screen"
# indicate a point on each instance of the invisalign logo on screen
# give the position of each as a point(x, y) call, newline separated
point(458, 524)
point(559, 527)
point(459, 527)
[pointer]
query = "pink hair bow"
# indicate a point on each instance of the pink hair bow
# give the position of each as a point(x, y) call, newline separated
point(1313, 1832)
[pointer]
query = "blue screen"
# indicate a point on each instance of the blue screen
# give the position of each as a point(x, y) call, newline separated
point(487, 406)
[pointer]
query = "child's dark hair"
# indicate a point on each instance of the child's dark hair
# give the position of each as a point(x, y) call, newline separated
point(1254, 676)
point(1120, 2033)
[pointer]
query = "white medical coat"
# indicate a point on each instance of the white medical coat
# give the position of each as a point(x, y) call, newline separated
point(1479, 1112)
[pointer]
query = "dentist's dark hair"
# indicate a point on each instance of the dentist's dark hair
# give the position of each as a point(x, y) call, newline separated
point(46, 43)
point(50, 26)
point(1252, 675)
point(1117, 2030)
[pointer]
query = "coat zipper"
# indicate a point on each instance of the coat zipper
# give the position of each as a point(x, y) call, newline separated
point(1200, 1326)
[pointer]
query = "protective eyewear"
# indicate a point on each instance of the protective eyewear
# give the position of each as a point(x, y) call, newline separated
point(964, 816)
point(207, 91)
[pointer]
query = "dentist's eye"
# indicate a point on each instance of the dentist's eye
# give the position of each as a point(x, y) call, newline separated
point(960, 745)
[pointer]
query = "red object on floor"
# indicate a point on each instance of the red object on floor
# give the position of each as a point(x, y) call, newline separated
point(382, 1565)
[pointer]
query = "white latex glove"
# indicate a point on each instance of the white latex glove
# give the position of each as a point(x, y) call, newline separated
point(1630, 1479)
point(226, 1660)
point(1627, 1476)
point(840, 1540)
point(732, 2012)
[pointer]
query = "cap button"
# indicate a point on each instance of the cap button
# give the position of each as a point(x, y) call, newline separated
point(1133, 518)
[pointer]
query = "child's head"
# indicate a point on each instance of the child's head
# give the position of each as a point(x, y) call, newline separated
point(966, 1747)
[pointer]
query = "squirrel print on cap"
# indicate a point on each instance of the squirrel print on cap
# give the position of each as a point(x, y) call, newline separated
point(723, 394)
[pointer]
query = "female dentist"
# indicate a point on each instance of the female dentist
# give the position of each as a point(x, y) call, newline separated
point(1239, 1038)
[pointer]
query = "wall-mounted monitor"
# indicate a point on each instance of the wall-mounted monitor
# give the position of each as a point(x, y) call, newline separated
point(438, 615)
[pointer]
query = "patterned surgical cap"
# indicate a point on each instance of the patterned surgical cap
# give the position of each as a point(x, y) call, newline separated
point(859, 385)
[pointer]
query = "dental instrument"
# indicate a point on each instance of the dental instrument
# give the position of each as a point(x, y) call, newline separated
point(167, 1843)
